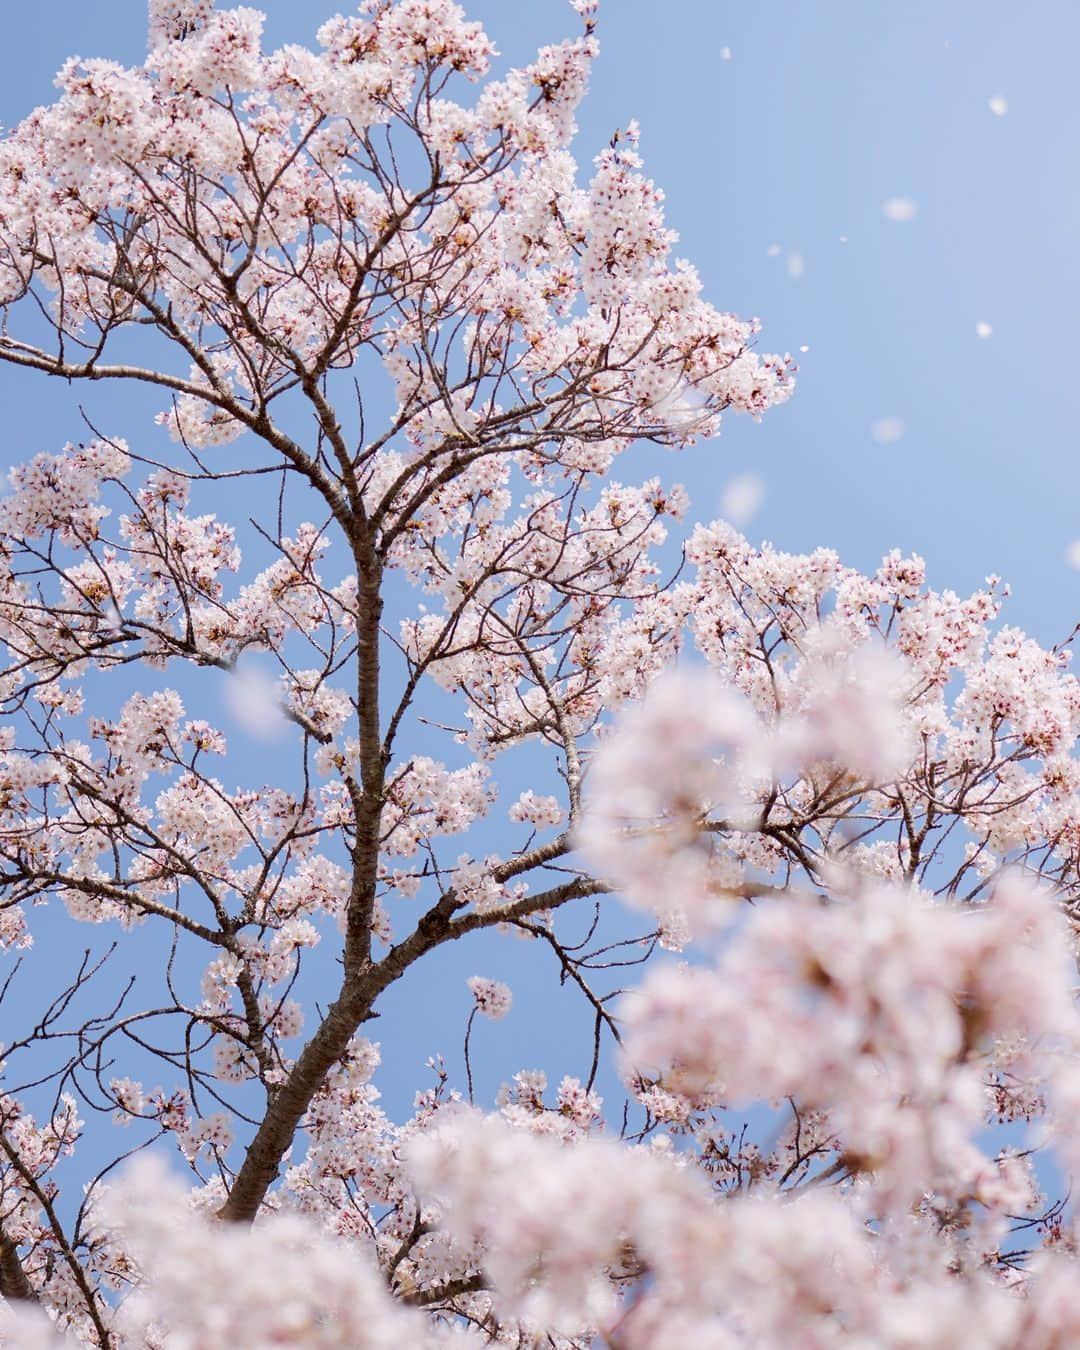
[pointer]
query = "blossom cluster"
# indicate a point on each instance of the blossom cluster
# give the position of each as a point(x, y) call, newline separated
point(855, 797)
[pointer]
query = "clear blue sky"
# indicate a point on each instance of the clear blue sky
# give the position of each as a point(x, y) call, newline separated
point(822, 112)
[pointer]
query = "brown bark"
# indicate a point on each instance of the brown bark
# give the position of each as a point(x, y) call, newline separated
point(14, 1284)
point(355, 1006)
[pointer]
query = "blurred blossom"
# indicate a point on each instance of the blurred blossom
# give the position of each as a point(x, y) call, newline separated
point(682, 407)
point(847, 706)
point(672, 759)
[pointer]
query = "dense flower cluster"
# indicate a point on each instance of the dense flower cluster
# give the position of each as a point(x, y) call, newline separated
point(493, 998)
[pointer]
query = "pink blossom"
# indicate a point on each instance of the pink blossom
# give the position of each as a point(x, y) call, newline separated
point(493, 999)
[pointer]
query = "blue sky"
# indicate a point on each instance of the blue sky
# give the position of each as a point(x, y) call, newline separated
point(818, 114)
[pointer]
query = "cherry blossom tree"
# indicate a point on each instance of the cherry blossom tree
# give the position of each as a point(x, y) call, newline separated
point(402, 345)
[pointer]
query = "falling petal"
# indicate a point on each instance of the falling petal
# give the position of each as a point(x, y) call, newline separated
point(999, 105)
point(900, 208)
point(252, 700)
point(983, 329)
point(887, 430)
point(742, 497)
